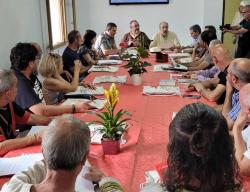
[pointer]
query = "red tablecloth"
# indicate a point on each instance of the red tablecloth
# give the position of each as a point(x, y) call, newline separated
point(147, 136)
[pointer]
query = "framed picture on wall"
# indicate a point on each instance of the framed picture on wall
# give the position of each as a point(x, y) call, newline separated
point(126, 2)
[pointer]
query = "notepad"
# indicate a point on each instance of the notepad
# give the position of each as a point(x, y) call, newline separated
point(109, 62)
point(13, 165)
point(179, 55)
point(110, 69)
point(85, 90)
point(110, 79)
point(161, 90)
point(159, 67)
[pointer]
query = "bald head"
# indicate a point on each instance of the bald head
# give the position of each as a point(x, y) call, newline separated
point(221, 56)
point(65, 143)
point(241, 69)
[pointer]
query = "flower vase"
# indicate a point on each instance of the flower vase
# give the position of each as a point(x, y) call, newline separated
point(110, 147)
point(136, 79)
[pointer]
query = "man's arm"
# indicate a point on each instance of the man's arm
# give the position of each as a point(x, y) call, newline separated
point(237, 31)
point(211, 95)
point(240, 145)
point(38, 120)
point(51, 110)
point(201, 66)
point(228, 100)
point(12, 144)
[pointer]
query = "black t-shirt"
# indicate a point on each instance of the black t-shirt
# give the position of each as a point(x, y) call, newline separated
point(69, 56)
point(223, 81)
point(6, 123)
point(29, 91)
point(244, 39)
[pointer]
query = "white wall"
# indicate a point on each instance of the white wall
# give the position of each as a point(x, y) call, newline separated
point(19, 21)
point(25, 20)
point(180, 14)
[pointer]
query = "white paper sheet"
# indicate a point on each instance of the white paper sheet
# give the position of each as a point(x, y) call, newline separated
point(110, 69)
point(173, 115)
point(110, 79)
point(179, 55)
point(97, 103)
point(84, 90)
point(83, 184)
point(167, 82)
point(109, 62)
point(186, 60)
point(10, 166)
point(187, 81)
point(159, 67)
point(161, 90)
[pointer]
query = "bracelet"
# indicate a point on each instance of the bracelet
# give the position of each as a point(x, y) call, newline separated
point(73, 108)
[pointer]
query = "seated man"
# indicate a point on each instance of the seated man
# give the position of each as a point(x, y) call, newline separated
point(105, 43)
point(237, 77)
point(165, 39)
point(135, 38)
point(65, 147)
point(70, 54)
point(24, 62)
point(195, 31)
point(214, 89)
point(241, 135)
point(12, 114)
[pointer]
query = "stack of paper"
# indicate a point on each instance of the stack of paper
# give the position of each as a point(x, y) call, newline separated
point(161, 90)
point(175, 67)
point(187, 81)
point(186, 60)
point(109, 62)
point(96, 68)
point(179, 55)
point(159, 67)
point(167, 82)
point(85, 90)
point(10, 166)
point(97, 103)
point(110, 79)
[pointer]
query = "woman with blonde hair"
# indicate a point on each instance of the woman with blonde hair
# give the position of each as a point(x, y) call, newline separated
point(54, 86)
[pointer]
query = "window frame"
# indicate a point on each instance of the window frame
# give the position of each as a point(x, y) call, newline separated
point(64, 19)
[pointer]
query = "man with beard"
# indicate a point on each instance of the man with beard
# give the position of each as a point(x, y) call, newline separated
point(24, 59)
point(135, 38)
point(165, 39)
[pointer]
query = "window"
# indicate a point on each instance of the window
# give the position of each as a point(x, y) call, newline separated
point(57, 13)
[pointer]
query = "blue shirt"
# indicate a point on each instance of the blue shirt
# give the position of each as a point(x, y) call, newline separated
point(233, 114)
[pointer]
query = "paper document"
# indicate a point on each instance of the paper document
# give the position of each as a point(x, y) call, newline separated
point(179, 55)
point(110, 79)
point(159, 67)
point(110, 69)
point(167, 82)
point(161, 90)
point(186, 60)
point(97, 103)
point(84, 90)
point(187, 81)
point(13, 165)
point(109, 62)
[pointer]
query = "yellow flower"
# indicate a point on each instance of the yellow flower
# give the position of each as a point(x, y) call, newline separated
point(112, 95)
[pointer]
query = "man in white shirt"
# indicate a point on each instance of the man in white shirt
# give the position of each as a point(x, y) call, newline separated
point(165, 39)
point(241, 135)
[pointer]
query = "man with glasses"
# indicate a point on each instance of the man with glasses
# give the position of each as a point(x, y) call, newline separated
point(238, 75)
point(243, 49)
point(135, 38)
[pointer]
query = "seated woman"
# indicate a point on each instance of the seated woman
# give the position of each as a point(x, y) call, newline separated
point(12, 114)
point(200, 153)
point(54, 86)
point(87, 53)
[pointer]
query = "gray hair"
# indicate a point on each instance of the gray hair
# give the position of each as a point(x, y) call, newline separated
point(65, 143)
point(7, 80)
point(241, 69)
point(214, 43)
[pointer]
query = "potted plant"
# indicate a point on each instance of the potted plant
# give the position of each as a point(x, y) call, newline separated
point(113, 126)
point(135, 66)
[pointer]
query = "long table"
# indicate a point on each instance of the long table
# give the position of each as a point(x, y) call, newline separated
point(147, 135)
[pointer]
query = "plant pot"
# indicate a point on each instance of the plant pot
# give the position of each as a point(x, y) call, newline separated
point(136, 79)
point(110, 147)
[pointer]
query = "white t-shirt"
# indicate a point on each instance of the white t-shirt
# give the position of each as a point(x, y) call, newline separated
point(246, 138)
